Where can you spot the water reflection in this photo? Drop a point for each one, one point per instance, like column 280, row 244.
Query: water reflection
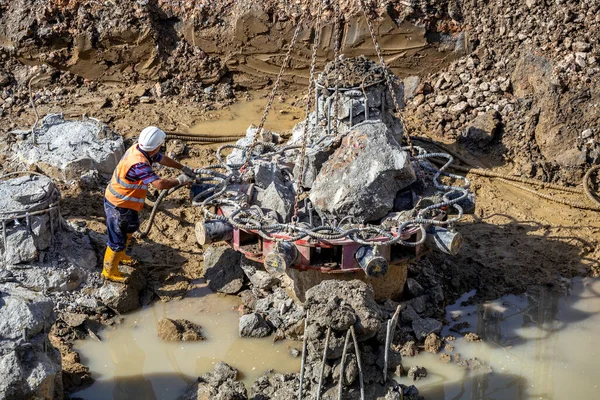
column 539, row 346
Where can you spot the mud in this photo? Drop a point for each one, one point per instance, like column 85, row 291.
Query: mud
column 197, row 69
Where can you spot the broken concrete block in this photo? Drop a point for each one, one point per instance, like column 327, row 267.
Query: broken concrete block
column 254, row 325
column 23, row 310
column 123, row 297
column 278, row 198
column 364, row 174
column 222, row 269
column 68, row 149
column 340, row 304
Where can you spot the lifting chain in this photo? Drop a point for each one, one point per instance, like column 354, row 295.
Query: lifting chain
column 336, row 69
column 388, row 78
column 311, row 87
column 286, row 61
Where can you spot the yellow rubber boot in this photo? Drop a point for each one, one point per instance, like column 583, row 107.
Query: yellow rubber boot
column 111, row 266
column 126, row 259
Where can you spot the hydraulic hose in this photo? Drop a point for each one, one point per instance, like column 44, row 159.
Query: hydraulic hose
column 164, row 193
column 190, row 138
column 509, row 179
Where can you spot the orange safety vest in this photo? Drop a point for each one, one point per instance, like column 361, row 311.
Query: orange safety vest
column 122, row 192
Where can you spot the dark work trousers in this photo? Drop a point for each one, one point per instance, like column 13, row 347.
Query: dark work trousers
column 119, row 222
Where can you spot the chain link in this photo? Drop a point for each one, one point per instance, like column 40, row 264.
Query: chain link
column 336, row 70
column 388, row 79
column 311, row 88
column 288, row 55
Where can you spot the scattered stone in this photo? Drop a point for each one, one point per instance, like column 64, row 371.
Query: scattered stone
column 254, row 325
column 433, row 344
column 411, row 84
column 472, row 337
column 222, row 269
column 73, row 319
column 458, row 328
column 482, row 130
column 445, row 358
column 294, row 352
column 220, row 384
column 581, row 47
column 448, row 347
column 441, row 100
column 415, row 373
column 409, row 349
column 179, row 330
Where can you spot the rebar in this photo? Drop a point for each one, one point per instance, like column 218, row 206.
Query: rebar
column 304, row 343
column 361, row 379
column 323, row 363
column 343, row 365
column 390, row 331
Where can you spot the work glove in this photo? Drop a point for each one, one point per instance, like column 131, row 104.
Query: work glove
column 188, row 171
column 183, row 179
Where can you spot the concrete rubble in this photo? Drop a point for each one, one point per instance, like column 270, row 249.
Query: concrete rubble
column 29, row 365
column 362, row 176
column 222, row 269
column 67, row 150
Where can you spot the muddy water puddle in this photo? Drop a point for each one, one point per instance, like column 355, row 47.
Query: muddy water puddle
column 131, row 362
column 538, row 346
column 235, row 120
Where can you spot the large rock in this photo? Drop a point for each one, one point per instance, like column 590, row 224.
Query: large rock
column 123, row 297
column 31, row 371
column 72, row 148
column 254, row 325
column 23, row 311
column 180, row 330
column 222, row 269
column 30, row 368
column 341, row 304
column 27, row 236
column 364, row 174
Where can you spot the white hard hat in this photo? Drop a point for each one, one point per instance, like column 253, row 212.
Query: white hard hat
column 151, row 138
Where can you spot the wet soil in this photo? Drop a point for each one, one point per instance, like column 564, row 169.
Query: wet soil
column 515, row 240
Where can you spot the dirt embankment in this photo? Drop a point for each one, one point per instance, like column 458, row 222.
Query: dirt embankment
column 534, row 62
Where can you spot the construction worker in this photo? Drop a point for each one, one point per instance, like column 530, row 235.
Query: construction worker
column 125, row 194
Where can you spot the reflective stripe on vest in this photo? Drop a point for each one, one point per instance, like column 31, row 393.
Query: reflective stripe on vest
column 128, row 185
column 122, row 192
column 125, row 198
